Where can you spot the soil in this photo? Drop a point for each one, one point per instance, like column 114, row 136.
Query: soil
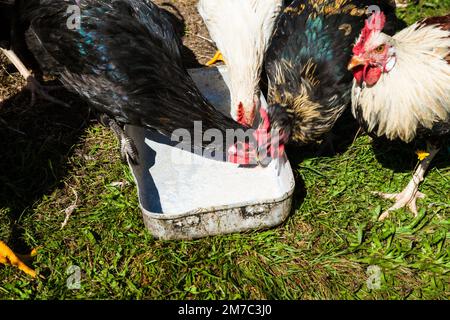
column 195, row 34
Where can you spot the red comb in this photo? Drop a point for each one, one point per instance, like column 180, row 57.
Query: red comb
column 375, row 23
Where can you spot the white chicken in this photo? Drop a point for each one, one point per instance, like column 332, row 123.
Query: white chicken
column 242, row 30
column 401, row 91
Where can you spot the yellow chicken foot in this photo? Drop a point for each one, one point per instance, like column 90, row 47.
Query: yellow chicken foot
column 409, row 196
column 217, row 57
column 7, row 256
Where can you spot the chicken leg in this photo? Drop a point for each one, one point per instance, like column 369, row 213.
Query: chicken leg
column 32, row 84
column 217, row 57
column 410, row 194
column 127, row 147
column 7, row 256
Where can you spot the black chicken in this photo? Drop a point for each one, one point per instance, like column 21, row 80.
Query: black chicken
column 125, row 60
column 306, row 64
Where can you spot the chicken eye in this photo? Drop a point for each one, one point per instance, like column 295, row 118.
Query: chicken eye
column 380, row 49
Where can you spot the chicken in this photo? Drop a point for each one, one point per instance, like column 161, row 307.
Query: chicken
column 402, row 90
column 241, row 30
column 125, row 60
column 306, row 64
column 10, row 42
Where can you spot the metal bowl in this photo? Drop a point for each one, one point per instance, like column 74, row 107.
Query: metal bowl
column 185, row 196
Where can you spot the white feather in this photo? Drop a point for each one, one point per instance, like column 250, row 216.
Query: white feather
column 241, row 30
column 417, row 89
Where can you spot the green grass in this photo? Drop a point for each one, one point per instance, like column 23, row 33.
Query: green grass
column 424, row 8
column 323, row 251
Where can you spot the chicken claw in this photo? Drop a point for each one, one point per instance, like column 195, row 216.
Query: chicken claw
column 7, row 256
column 409, row 196
column 37, row 89
column 128, row 149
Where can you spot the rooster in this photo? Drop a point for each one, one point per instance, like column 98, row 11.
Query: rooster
column 241, row 30
column 401, row 90
column 306, row 64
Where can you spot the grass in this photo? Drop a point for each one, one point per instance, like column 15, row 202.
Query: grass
column 424, row 8
column 329, row 248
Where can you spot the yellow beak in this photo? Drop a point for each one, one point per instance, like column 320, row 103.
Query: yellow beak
column 354, row 62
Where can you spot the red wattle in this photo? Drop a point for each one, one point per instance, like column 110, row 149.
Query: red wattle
column 372, row 75
column 358, row 74
column 367, row 73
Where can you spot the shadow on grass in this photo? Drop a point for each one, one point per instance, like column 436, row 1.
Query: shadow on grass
column 340, row 139
column 401, row 157
column 35, row 144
